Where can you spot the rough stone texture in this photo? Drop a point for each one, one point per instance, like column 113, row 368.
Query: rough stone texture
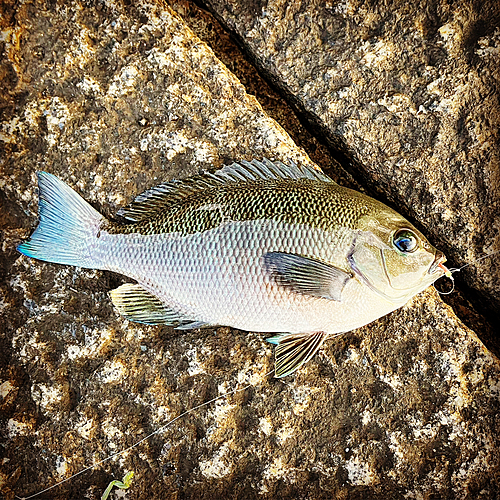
column 410, row 90
column 114, row 99
column 210, row 31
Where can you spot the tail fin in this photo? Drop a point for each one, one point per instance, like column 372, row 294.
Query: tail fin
column 67, row 225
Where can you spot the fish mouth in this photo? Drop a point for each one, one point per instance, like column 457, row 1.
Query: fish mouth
column 437, row 264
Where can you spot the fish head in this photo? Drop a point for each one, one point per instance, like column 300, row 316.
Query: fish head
column 393, row 258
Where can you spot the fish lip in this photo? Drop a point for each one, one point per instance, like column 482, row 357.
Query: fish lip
column 439, row 258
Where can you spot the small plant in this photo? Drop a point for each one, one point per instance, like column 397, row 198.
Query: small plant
column 127, row 480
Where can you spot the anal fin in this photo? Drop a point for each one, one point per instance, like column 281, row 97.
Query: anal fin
column 137, row 304
column 193, row 325
column 294, row 349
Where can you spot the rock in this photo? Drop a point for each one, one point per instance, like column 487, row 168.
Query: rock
column 412, row 93
column 114, row 99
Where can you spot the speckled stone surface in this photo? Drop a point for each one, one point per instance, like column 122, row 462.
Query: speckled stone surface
column 411, row 91
column 114, row 99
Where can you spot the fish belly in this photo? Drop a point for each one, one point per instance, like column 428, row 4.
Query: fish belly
column 217, row 276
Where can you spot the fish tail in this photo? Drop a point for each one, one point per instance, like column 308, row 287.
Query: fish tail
column 67, row 228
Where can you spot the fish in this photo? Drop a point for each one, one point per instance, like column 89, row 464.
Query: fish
column 259, row 246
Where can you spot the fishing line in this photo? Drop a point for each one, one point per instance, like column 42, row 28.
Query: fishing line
column 449, row 272
column 157, row 431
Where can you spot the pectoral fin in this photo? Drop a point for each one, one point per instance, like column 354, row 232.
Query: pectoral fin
column 141, row 306
column 294, row 349
column 306, row 276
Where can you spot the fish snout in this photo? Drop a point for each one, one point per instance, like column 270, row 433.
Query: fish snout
column 439, row 259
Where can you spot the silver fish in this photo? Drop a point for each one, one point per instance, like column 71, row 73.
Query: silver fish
column 258, row 246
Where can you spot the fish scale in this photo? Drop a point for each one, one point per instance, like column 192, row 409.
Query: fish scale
column 286, row 199
column 258, row 246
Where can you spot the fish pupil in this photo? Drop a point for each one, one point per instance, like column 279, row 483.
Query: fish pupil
column 405, row 241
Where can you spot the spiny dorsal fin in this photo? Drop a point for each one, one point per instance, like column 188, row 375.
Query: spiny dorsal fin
column 267, row 169
column 168, row 193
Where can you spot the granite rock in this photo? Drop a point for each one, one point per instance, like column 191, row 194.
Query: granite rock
column 411, row 93
column 114, row 98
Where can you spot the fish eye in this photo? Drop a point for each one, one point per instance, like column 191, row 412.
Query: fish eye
column 405, row 241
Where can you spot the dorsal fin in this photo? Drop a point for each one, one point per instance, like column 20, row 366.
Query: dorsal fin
column 168, row 193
